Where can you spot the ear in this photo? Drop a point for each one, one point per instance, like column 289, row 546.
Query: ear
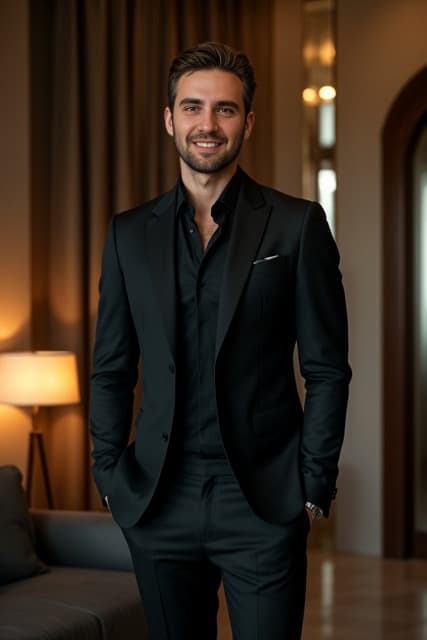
column 249, row 124
column 168, row 121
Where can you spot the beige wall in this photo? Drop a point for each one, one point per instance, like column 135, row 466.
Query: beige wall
column 14, row 211
column 381, row 44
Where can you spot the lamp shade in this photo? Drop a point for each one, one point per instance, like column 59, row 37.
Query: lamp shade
column 38, row 378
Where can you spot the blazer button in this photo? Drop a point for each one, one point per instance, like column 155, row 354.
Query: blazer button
column 172, row 368
column 165, row 436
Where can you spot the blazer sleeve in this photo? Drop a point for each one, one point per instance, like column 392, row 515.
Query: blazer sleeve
column 115, row 368
column 322, row 337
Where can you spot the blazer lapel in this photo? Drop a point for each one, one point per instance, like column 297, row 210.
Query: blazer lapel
column 160, row 248
column 251, row 216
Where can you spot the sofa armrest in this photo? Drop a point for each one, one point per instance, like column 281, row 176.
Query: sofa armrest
column 87, row 539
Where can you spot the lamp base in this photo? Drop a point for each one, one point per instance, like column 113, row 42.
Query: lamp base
column 36, row 442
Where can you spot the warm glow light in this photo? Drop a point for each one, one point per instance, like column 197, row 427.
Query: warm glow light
column 327, row 53
column 12, row 321
column 327, row 92
column 38, row 378
column 310, row 52
column 309, row 95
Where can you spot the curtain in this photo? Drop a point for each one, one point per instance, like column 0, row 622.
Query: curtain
column 99, row 71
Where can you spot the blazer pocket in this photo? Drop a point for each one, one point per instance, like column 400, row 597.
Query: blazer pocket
column 269, row 266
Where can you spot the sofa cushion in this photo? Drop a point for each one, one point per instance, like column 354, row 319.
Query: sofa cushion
column 18, row 558
column 71, row 603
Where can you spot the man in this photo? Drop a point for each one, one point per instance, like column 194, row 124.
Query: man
column 211, row 285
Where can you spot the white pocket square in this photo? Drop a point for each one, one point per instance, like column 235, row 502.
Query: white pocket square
column 266, row 259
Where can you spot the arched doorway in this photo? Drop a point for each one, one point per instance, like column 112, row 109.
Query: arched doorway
column 402, row 133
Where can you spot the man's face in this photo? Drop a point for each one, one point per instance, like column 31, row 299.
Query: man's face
column 208, row 123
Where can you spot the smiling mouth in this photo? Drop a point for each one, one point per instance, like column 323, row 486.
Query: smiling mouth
column 207, row 145
column 205, row 142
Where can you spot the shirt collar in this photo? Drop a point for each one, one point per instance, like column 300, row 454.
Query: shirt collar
column 222, row 208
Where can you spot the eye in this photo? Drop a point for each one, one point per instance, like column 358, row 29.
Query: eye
column 191, row 108
column 226, row 111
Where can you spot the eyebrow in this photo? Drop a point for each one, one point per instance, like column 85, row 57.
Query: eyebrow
column 220, row 103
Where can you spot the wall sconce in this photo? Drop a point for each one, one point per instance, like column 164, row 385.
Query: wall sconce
column 312, row 96
column 38, row 379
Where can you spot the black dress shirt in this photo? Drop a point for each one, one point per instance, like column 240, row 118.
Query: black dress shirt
column 199, row 276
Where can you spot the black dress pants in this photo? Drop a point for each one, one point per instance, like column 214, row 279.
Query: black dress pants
column 201, row 530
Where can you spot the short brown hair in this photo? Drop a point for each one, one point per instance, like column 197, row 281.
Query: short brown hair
column 213, row 55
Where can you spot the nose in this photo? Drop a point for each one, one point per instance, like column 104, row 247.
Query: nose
column 208, row 121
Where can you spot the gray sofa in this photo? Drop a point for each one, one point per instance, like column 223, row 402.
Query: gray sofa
column 82, row 587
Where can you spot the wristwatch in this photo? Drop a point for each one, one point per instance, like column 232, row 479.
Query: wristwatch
column 316, row 511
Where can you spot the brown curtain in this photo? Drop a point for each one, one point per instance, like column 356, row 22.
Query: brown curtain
column 98, row 90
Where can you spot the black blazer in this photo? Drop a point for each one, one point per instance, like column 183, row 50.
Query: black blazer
column 280, row 455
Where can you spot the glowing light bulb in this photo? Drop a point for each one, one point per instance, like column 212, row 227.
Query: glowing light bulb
column 327, row 53
column 327, row 92
column 309, row 95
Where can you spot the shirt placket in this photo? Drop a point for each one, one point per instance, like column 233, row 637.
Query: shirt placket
column 201, row 263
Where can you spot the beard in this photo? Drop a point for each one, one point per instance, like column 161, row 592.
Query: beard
column 209, row 164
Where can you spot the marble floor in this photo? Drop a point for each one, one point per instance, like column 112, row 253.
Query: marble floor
column 359, row 597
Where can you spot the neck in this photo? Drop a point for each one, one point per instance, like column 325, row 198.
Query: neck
column 204, row 189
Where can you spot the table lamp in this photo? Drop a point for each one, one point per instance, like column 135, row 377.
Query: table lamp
column 38, row 379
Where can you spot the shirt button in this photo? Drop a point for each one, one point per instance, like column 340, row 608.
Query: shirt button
column 191, row 230
column 165, row 436
column 172, row 368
